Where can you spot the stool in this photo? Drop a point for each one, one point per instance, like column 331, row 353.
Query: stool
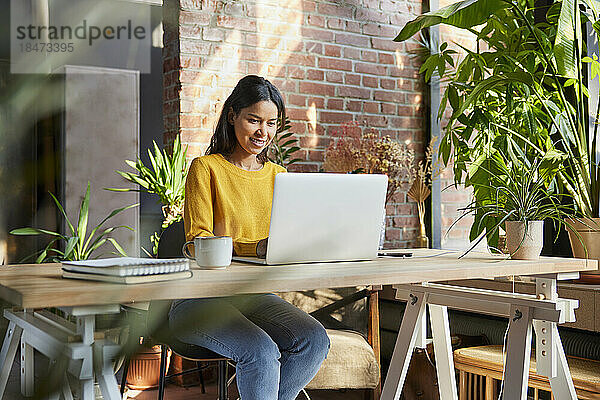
column 480, row 370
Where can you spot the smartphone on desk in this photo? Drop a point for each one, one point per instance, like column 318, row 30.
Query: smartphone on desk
column 394, row 254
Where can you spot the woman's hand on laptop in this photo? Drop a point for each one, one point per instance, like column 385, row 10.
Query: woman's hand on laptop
column 261, row 248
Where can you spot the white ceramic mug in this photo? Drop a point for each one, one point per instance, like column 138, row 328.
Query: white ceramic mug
column 212, row 252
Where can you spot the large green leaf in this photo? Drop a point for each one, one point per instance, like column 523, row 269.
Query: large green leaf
column 462, row 14
column 566, row 40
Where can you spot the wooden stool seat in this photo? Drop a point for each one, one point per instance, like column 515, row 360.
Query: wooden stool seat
column 481, row 367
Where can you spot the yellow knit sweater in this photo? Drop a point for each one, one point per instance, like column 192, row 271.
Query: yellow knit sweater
column 222, row 199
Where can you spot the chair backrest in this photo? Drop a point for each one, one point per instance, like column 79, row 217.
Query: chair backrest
column 169, row 246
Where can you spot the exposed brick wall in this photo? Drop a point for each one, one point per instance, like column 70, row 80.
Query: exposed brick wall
column 333, row 61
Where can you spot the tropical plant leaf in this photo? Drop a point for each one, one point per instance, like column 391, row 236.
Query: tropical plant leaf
column 462, row 14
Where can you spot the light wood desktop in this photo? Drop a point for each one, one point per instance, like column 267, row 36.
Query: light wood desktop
column 39, row 286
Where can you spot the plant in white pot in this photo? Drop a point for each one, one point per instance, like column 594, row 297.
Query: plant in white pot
column 517, row 194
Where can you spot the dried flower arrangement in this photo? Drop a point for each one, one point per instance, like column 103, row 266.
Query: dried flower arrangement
column 420, row 190
column 372, row 154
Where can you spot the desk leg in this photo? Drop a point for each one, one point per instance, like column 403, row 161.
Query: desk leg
column 27, row 374
column 104, row 372
column 442, row 346
column 413, row 315
column 85, row 327
column 561, row 384
column 8, row 352
column 518, row 353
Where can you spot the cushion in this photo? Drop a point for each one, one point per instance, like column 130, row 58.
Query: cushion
column 350, row 364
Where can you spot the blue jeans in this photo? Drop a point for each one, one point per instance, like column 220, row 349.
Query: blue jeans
column 277, row 347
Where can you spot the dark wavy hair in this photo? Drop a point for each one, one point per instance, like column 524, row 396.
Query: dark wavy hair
column 250, row 90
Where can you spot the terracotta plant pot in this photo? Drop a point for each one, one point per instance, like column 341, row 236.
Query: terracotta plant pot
column 144, row 368
column 589, row 234
column 528, row 248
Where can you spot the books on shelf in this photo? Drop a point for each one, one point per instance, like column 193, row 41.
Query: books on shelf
column 128, row 266
column 127, row 279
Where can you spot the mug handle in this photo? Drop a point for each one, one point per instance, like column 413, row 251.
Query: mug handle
column 185, row 251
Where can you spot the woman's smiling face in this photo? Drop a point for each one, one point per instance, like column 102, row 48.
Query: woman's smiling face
column 255, row 126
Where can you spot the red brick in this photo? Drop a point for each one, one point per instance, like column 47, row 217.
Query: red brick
column 335, row 10
column 393, row 234
column 349, row 91
column 298, row 114
column 334, row 117
column 196, row 18
column 317, row 88
column 379, row 30
column 299, row 128
column 387, row 83
column 303, row 167
column 391, row 96
column 385, row 44
column 335, row 76
column 317, row 102
column 369, row 81
column 253, row 68
column 354, row 105
column 386, row 58
column 276, row 70
column 335, row 23
column 376, row 120
column 406, row 122
column 316, row 20
column 352, row 39
column 405, row 84
column 335, row 104
column 400, row 19
column 313, row 141
column 388, row 108
column 259, row 40
column 293, row 46
column 171, row 78
column 309, row 6
column 404, row 72
column 333, row 50
column 234, row 9
column 297, row 58
column 367, row 68
column 371, row 107
column 317, row 34
column 352, row 79
column 296, row 72
column 335, row 63
column 188, row 91
column 316, row 155
column 313, row 47
column 315, row 75
column 191, row 31
column 194, row 47
column 285, row 85
column 351, row 53
column 296, row 100
column 239, row 23
column 213, row 34
column 370, row 56
column 192, row 4
column 191, row 121
column 353, row 26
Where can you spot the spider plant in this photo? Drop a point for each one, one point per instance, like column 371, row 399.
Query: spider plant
column 78, row 244
column 514, row 189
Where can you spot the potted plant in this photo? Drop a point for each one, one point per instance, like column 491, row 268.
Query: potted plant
column 521, row 91
column 517, row 195
column 78, row 243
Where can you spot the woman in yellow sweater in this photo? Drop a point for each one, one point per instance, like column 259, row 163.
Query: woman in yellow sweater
column 277, row 347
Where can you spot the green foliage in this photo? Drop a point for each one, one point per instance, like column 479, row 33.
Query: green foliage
column 520, row 94
column 78, row 245
column 283, row 145
column 513, row 189
column 165, row 177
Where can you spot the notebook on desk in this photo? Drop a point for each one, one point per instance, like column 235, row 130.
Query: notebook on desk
column 319, row 217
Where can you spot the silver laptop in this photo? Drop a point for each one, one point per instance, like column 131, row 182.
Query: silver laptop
column 324, row 217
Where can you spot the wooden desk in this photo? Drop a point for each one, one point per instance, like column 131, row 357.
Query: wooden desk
column 40, row 286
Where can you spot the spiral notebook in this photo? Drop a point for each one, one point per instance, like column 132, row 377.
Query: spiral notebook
column 128, row 266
